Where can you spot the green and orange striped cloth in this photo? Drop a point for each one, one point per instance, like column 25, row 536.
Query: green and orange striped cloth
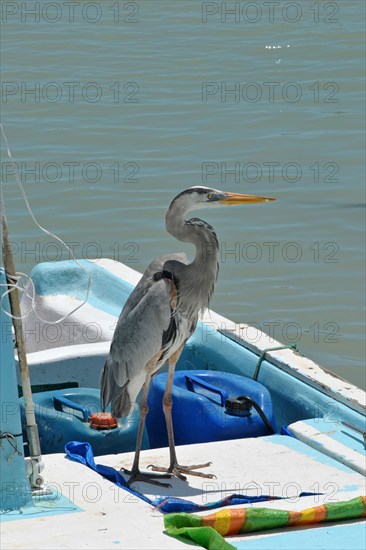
column 208, row 531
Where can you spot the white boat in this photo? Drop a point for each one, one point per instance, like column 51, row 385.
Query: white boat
column 319, row 462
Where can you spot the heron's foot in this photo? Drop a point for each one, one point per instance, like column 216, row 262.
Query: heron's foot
column 178, row 470
column 149, row 477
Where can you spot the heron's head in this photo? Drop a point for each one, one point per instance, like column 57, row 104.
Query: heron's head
column 199, row 197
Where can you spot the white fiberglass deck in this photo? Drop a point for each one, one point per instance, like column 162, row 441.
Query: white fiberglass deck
column 113, row 518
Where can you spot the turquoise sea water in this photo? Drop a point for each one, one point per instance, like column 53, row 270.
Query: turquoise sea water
column 112, row 108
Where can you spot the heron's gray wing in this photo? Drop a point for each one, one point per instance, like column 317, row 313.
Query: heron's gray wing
column 138, row 337
column 147, row 280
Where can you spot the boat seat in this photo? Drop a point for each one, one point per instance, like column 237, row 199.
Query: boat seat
column 335, row 439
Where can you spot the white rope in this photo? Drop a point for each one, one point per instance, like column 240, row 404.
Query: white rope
column 49, row 233
column 21, row 289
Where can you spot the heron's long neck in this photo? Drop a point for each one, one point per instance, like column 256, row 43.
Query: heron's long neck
column 199, row 233
column 204, row 268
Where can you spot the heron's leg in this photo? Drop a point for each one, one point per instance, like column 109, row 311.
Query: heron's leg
column 175, row 468
column 135, row 474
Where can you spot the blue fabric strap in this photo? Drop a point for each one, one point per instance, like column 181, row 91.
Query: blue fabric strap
column 83, row 453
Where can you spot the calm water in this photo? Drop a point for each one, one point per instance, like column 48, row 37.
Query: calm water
column 112, row 108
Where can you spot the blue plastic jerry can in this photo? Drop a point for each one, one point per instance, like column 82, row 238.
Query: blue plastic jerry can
column 209, row 406
column 64, row 416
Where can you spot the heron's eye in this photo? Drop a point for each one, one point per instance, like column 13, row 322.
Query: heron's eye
column 210, row 196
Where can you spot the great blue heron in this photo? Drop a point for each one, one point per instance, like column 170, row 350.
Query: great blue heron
column 160, row 315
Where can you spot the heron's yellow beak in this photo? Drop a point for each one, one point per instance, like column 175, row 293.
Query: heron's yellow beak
column 237, row 198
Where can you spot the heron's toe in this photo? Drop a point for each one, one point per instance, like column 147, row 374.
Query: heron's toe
column 147, row 477
column 178, row 470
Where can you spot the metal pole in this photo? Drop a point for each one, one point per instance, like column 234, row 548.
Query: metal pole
column 32, row 429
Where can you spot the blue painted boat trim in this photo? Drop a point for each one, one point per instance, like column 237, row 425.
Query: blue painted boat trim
column 302, row 448
column 14, row 488
column 338, row 432
column 44, row 506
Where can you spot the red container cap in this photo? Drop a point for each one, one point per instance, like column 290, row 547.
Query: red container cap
column 103, row 421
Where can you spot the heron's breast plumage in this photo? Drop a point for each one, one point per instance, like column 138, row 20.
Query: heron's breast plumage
column 178, row 333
